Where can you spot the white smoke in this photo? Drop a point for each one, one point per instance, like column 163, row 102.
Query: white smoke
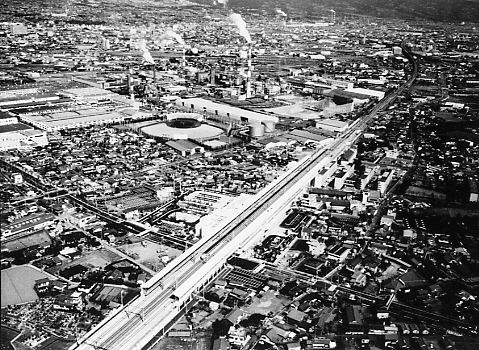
column 146, row 53
column 223, row 2
column 170, row 34
column 281, row 12
column 239, row 22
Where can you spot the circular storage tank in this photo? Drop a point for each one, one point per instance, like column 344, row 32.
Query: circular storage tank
column 269, row 126
column 256, row 130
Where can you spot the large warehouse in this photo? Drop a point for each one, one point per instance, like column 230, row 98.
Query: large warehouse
column 72, row 119
column 332, row 125
column 228, row 113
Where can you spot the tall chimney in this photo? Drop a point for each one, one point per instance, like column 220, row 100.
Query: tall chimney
column 248, row 74
column 212, row 75
column 129, row 81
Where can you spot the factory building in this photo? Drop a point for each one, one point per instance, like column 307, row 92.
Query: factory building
column 7, row 119
column 229, row 114
column 24, row 138
column 72, row 119
column 10, row 100
column 15, row 135
column 89, row 95
column 368, row 92
column 332, row 125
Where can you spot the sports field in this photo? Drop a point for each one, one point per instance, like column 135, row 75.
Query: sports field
column 18, row 282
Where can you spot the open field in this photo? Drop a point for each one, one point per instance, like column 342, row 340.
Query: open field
column 18, row 282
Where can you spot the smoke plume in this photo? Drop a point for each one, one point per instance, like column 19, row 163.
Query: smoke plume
column 146, row 53
column 239, row 22
column 170, row 34
column 281, row 13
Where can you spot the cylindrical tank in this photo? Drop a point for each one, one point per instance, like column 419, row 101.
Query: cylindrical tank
column 256, row 130
column 268, row 126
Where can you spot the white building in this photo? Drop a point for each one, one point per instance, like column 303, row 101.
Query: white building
column 384, row 181
column 22, row 139
column 341, row 175
column 473, row 192
column 332, row 125
column 73, row 119
column 228, row 113
column 369, row 92
column 369, row 173
column 17, row 97
column 238, row 336
column 7, row 119
column 88, row 94
column 338, row 253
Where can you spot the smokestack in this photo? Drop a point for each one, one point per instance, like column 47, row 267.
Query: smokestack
column 248, row 74
column 212, row 76
column 129, row 81
column 154, row 72
column 332, row 16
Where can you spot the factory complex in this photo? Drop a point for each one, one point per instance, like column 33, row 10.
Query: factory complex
column 222, row 175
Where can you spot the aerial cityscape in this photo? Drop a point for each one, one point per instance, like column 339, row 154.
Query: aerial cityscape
column 239, row 175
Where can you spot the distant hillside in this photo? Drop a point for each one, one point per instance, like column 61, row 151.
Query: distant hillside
column 439, row 10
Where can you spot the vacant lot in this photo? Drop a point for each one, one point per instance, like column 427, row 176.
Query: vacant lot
column 18, row 282
column 95, row 258
column 150, row 254
column 269, row 302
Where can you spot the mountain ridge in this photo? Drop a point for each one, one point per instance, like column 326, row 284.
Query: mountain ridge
column 436, row 10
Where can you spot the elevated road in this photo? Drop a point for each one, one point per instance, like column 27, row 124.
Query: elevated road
column 170, row 290
column 166, row 294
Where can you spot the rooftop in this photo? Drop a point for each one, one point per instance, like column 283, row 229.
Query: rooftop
column 226, row 109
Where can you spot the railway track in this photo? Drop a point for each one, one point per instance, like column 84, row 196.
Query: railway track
column 185, row 267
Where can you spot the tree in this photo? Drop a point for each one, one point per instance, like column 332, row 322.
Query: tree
column 221, row 328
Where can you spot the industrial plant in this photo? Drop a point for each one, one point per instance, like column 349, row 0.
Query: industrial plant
column 231, row 175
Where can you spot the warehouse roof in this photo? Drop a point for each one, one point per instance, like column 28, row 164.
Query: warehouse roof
column 182, row 145
column 87, row 92
column 307, row 135
column 234, row 112
column 332, row 122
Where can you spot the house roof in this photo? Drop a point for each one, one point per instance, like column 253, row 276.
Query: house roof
column 296, row 315
column 182, row 145
column 412, row 278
